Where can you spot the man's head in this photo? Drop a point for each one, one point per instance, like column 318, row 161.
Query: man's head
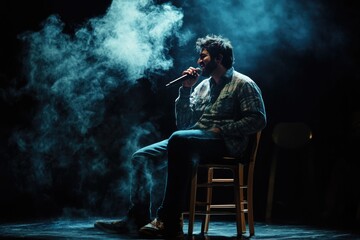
column 219, row 49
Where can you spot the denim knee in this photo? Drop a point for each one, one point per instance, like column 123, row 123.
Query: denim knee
column 177, row 138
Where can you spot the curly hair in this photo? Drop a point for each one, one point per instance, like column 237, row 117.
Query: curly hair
column 217, row 45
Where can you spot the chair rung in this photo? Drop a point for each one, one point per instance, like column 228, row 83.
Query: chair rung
column 220, row 184
column 215, row 185
column 222, row 206
column 215, row 212
column 219, row 205
column 223, row 180
column 219, row 166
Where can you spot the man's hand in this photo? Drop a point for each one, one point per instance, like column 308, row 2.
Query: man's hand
column 191, row 81
column 215, row 130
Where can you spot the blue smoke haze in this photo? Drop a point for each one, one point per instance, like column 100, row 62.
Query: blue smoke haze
column 89, row 115
column 257, row 28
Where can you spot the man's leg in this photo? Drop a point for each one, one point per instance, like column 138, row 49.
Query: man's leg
column 143, row 163
column 185, row 149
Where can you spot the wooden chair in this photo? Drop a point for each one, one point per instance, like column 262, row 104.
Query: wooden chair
column 285, row 135
column 243, row 191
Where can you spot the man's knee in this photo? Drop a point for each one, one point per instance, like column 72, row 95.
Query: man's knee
column 177, row 138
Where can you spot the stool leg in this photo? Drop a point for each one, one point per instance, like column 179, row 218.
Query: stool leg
column 240, row 173
column 250, row 185
column 192, row 202
column 239, row 196
column 205, row 225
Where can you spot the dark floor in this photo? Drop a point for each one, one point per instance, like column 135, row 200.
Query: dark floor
column 83, row 229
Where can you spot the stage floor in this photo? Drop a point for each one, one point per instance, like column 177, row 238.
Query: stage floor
column 83, row 229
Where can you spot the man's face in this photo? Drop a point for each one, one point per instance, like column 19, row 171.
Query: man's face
column 207, row 64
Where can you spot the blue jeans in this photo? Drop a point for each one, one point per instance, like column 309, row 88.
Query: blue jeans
column 183, row 151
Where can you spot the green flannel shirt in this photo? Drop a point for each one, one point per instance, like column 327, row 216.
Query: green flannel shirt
column 235, row 106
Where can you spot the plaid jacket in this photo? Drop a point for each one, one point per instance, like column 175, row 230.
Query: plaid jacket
column 235, row 106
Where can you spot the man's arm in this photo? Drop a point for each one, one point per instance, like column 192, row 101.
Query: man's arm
column 252, row 110
column 183, row 111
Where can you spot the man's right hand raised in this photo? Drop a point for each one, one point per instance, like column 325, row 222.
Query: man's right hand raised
column 188, row 83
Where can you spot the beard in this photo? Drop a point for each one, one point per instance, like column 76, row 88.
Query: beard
column 209, row 68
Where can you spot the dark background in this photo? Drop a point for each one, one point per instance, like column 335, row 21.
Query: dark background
column 307, row 68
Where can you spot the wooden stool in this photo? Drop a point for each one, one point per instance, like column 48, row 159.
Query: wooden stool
column 242, row 185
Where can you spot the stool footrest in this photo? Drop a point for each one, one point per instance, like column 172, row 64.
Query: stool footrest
column 219, row 212
column 215, row 213
column 214, row 206
column 215, row 184
column 223, row 180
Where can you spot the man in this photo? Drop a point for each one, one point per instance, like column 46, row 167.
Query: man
column 215, row 118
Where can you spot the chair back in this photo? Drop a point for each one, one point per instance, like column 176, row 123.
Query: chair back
column 249, row 155
column 286, row 136
column 255, row 145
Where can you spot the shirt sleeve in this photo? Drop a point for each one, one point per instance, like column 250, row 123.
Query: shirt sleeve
column 183, row 111
column 252, row 112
